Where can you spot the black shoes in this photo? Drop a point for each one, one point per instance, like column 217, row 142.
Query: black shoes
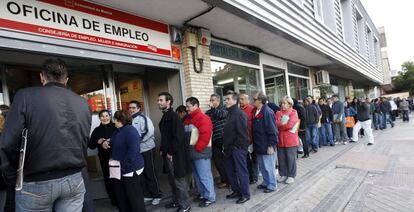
column 172, row 205
column 242, row 200
column 199, row 198
column 305, row 156
column 233, row 195
column 352, row 141
column 314, row 150
column 252, row 182
column 369, row 144
column 332, row 144
column 261, row 187
column 187, row 209
column 205, row 203
column 268, row 190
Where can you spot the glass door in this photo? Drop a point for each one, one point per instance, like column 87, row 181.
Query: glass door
column 129, row 87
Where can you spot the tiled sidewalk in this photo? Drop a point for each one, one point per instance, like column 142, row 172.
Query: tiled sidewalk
column 331, row 179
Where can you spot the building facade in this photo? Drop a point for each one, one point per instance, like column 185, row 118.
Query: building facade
column 118, row 51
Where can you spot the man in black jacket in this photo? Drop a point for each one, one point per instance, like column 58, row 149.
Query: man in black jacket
column 235, row 143
column 58, row 123
column 175, row 153
column 326, row 123
column 302, row 127
column 364, row 122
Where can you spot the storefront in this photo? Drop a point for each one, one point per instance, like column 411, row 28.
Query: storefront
column 235, row 69
column 113, row 57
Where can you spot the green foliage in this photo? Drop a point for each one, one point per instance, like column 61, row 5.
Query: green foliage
column 405, row 80
column 326, row 90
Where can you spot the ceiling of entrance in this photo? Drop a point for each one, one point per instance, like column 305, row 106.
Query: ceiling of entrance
column 218, row 21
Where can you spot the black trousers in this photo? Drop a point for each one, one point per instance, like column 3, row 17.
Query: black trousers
column 302, row 136
column 252, row 166
column 218, row 158
column 108, row 182
column 287, row 161
column 128, row 193
column 149, row 180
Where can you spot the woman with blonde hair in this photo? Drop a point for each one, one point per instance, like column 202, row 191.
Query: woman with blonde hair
column 287, row 122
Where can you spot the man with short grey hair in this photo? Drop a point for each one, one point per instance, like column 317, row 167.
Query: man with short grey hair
column 218, row 116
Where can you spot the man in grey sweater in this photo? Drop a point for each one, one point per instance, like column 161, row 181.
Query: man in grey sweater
column 149, row 181
column 339, row 119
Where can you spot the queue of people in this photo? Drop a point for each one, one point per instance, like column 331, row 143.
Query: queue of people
column 243, row 140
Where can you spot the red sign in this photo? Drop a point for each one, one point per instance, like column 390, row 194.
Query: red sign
column 82, row 21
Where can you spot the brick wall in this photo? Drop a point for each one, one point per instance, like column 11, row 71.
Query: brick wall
column 199, row 85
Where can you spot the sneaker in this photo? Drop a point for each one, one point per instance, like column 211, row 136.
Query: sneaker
column 282, row 179
column 290, row 180
column 148, row 199
column 156, row 201
column 205, row 203
column 345, row 143
column 199, row 198
column 172, row 205
column 187, row 209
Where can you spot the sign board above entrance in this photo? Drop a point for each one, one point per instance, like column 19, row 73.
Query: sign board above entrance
column 82, row 21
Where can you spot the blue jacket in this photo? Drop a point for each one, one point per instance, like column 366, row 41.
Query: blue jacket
column 125, row 148
column 264, row 130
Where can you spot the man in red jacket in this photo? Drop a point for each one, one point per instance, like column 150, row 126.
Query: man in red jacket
column 252, row 165
column 199, row 129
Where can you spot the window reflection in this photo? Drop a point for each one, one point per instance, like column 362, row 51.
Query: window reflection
column 237, row 78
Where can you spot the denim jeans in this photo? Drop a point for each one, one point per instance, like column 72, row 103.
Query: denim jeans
column 267, row 164
column 204, row 178
column 62, row 194
column 326, row 133
column 377, row 121
column 386, row 118
column 405, row 115
column 312, row 136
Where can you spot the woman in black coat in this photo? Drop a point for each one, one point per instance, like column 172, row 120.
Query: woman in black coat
column 100, row 134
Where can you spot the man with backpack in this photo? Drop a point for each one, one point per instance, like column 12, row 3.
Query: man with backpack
column 145, row 128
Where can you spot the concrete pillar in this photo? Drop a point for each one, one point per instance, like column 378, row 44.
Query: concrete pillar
column 349, row 89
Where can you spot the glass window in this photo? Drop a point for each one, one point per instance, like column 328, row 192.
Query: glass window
column 129, row 87
column 299, row 87
column 298, row 70
column 275, row 83
column 237, row 78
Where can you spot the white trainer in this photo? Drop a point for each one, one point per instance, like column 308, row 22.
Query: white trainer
column 290, row 180
column 282, row 179
column 156, row 201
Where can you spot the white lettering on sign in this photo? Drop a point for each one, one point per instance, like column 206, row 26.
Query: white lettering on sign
column 83, row 21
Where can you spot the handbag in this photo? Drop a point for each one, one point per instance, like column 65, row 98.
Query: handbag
column 22, row 156
column 114, row 169
column 350, row 122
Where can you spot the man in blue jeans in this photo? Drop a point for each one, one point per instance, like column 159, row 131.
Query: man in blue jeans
column 385, row 107
column 58, row 123
column 265, row 138
column 326, row 121
column 199, row 129
column 312, row 119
